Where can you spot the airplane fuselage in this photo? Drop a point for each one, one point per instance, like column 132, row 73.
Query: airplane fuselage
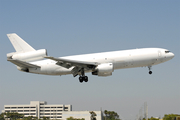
column 120, row 60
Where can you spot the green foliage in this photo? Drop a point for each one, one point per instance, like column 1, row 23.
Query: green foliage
column 152, row 118
column 170, row 116
column 45, row 118
column 93, row 115
column 16, row 116
column 111, row 115
column 13, row 115
column 30, row 118
column 71, row 118
column 2, row 116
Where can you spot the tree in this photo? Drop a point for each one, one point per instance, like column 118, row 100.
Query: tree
column 93, row 115
column 152, row 118
column 111, row 115
column 170, row 116
column 29, row 118
column 13, row 115
column 71, row 118
column 2, row 116
column 105, row 112
column 45, row 118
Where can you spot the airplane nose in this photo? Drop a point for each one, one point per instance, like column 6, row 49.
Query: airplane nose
column 170, row 55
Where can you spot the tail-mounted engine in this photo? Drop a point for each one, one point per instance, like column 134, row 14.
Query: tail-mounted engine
column 28, row 56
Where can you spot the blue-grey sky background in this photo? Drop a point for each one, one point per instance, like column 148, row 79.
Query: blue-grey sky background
column 68, row 27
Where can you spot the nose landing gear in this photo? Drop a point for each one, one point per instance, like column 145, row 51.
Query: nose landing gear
column 150, row 67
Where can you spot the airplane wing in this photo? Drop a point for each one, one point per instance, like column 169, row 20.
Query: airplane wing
column 78, row 65
column 23, row 64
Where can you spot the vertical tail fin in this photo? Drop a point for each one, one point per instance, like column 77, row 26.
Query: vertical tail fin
column 19, row 44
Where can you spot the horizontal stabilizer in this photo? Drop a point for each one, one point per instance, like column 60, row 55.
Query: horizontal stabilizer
column 23, row 64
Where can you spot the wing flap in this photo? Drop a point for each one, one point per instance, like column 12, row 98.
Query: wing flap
column 23, row 64
column 75, row 71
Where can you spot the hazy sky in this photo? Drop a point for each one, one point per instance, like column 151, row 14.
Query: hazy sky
column 70, row 27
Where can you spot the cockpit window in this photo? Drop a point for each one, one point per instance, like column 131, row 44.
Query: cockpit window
column 167, row 51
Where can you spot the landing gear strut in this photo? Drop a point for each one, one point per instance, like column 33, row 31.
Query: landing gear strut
column 82, row 77
column 150, row 72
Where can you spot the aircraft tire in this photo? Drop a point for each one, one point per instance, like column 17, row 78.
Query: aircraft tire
column 85, row 78
column 80, row 79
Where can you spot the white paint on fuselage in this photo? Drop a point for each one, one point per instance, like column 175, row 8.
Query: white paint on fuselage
column 120, row 59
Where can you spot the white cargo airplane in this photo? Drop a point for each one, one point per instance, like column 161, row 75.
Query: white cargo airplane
column 27, row 59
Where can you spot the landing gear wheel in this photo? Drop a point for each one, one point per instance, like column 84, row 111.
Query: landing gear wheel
column 82, row 76
column 85, row 78
column 150, row 72
column 80, row 79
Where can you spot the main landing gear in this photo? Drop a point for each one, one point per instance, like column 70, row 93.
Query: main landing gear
column 82, row 77
column 150, row 72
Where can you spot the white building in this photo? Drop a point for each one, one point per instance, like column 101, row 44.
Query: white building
column 39, row 109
